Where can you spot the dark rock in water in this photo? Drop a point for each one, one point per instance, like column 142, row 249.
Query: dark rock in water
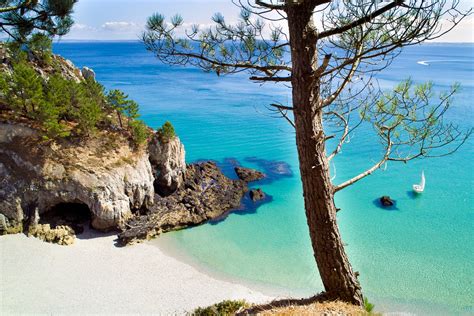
column 257, row 195
column 248, row 175
column 206, row 194
column 386, row 201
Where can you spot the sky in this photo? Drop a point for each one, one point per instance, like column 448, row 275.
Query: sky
column 125, row 19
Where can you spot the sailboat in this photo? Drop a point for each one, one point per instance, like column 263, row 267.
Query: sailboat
column 419, row 188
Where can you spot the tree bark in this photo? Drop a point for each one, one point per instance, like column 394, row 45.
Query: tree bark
column 339, row 280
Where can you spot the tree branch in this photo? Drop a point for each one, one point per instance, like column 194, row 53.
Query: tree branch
column 343, row 137
column 361, row 21
column 270, row 6
column 274, row 79
column 367, row 172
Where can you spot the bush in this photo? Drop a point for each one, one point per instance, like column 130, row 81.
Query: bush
column 57, row 102
column 40, row 45
column 140, row 131
column 49, row 117
column 119, row 102
column 223, row 308
column 166, row 132
column 369, row 307
column 25, row 91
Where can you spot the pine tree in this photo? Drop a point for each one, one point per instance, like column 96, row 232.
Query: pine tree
column 26, row 90
column 20, row 18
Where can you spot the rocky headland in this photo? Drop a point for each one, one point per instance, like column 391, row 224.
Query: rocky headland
column 51, row 188
column 141, row 192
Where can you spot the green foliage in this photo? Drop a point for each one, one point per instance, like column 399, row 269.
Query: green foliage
column 48, row 115
column 120, row 103
column 369, row 307
column 223, row 308
column 64, row 107
column 140, row 131
column 25, row 93
column 89, row 114
column 19, row 19
column 40, row 45
column 17, row 54
column 166, row 132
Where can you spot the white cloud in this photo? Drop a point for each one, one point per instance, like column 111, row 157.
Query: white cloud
column 119, row 26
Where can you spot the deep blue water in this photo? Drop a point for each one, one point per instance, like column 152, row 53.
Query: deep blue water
column 418, row 257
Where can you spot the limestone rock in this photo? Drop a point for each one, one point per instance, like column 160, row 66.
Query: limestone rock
column 104, row 173
column 248, row 175
column 168, row 162
column 88, row 73
column 62, row 235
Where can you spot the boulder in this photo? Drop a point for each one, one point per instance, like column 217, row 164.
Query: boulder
column 248, row 175
column 257, row 194
column 61, row 235
column 168, row 162
column 386, row 201
column 88, row 73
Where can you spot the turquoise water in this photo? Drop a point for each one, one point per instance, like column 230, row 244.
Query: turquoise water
column 416, row 258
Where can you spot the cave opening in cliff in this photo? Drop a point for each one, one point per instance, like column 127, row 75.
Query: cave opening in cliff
column 76, row 215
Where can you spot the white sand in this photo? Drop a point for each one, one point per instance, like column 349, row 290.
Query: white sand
column 95, row 277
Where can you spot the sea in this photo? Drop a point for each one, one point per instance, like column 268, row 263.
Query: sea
column 415, row 258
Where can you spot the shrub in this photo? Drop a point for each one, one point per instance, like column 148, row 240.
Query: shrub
column 119, row 102
column 49, row 116
column 166, row 132
column 88, row 115
column 223, row 308
column 40, row 45
column 140, row 131
column 369, row 307
column 25, row 93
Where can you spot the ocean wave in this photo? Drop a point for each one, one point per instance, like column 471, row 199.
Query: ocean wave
column 428, row 62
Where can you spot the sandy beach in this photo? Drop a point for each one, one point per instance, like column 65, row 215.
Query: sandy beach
column 95, row 277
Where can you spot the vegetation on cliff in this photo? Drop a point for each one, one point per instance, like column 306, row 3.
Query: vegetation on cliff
column 33, row 87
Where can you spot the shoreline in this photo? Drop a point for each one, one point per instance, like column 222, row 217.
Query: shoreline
column 151, row 277
column 95, row 276
column 384, row 305
column 167, row 246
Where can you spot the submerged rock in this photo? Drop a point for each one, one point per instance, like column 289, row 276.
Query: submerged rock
column 248, row 175
column 386, row 201
column 206, row 194
column 257, row 194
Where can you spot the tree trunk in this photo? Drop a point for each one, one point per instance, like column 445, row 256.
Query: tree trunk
column 339, row 280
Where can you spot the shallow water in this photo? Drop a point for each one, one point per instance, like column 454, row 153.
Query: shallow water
column 416, row 258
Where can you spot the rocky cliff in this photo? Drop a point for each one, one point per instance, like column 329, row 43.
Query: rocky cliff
column 140, row 190
column 103, row 172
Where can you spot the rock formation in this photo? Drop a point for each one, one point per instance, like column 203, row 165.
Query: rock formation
column 206, row 194
column 386, row 201
column 88, row 73
column 104, row 173
column 248, row 175
column 169, row 165
column 140, row 191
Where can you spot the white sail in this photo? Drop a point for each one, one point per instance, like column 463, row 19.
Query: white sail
column 419, row 188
